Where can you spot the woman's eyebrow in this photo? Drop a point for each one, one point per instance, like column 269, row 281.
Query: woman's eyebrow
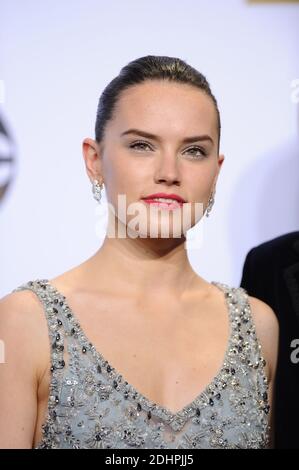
column 194, row 138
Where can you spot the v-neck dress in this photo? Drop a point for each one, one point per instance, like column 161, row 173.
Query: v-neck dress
column 91, row 405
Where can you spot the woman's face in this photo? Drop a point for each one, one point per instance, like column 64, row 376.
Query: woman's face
column 135, row 165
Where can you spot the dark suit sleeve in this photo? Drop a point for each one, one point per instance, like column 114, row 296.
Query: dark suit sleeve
column 264, row 277
column 247, row 274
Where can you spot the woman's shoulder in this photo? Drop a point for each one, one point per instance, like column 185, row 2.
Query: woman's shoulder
column 263, row 315
column 20, row 302
column 22, row 323
column 267, row 330
column 265, row 323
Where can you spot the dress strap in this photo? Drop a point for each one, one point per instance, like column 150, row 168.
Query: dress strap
column 249, row 329
column 247, row 349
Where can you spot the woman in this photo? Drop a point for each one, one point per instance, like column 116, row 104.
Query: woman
column 144, row 352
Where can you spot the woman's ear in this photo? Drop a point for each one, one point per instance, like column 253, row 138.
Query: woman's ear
column 92, row 158
column 220, row 160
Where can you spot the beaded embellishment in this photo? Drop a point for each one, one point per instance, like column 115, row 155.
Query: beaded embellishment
column 91, row 405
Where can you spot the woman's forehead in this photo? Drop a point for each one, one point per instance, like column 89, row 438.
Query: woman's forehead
column 157, row 93
column 177, row 105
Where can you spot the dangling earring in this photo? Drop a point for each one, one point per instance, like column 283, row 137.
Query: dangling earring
column 210, row 204
column 97, row 190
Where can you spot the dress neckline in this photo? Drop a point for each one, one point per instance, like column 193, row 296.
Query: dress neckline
column 107, row 368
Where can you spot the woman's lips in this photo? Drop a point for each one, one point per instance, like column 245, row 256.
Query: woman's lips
column 164, row 205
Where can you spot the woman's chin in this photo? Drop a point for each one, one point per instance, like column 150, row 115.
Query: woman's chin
column 159, row 233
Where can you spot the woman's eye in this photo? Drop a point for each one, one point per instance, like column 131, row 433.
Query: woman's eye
column 194, row 155
column 139, row 145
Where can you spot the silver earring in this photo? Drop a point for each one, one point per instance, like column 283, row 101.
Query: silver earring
column 97, row 190
column 210, row 204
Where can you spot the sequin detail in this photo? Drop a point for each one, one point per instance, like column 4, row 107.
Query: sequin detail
column 91, row 405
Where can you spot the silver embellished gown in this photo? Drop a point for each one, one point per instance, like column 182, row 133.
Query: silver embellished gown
column 91, row 405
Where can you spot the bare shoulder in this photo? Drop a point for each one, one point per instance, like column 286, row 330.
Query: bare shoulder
column 22, row 322
column 21, row 305
column 267, row 330
column 24, row 334
column 21, row 308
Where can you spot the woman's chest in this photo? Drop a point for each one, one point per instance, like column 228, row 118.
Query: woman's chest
column 167, row 351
